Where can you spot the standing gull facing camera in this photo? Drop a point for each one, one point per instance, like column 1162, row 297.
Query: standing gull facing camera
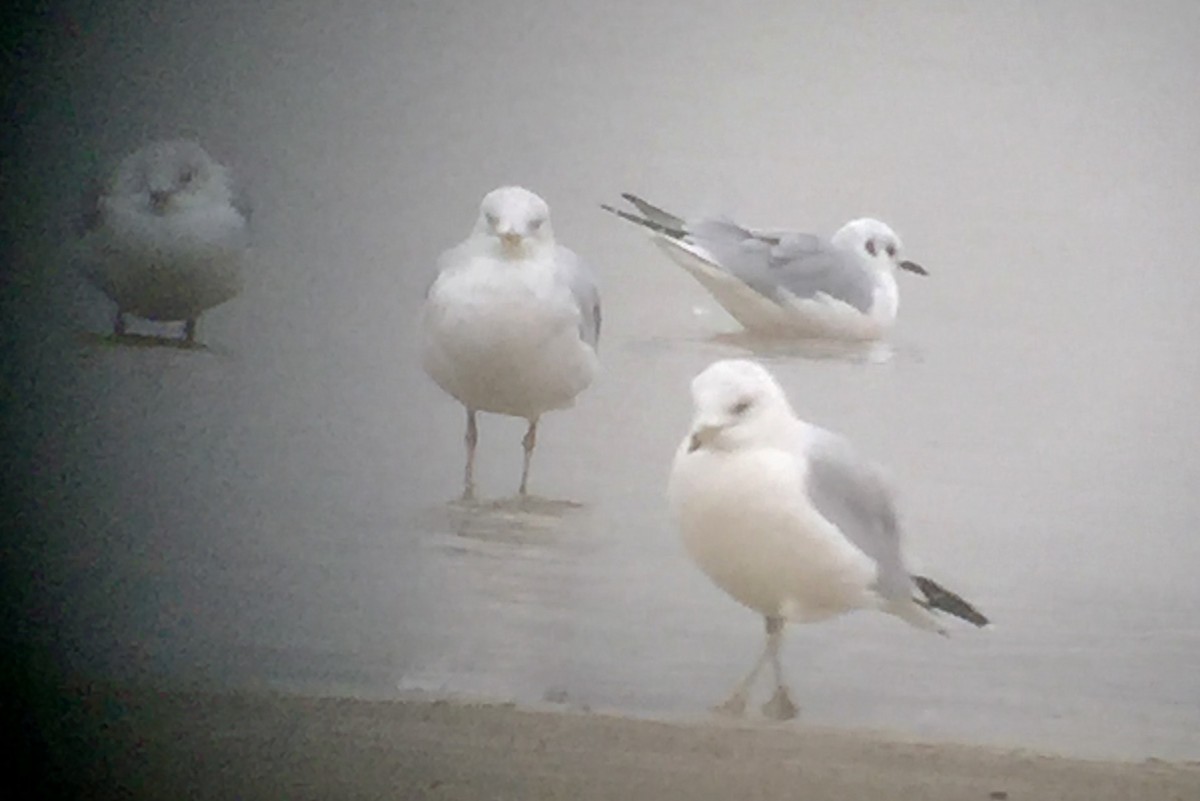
column 787, row 519
column 787, row 283
column 165, row 238
column 512, row 321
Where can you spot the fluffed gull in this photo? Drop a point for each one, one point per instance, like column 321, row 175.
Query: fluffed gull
column 787, row 283
column 787, row 519
column 165, row 237
column 512, row 321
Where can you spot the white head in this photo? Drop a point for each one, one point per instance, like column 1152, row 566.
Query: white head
column 515, row 220
column 737, row 402
column 171, row 176
column 877, row 243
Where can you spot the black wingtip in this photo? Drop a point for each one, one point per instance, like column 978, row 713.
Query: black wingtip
column 651, row 212
column 642, row 221
column 625, row 215
column 938, row 597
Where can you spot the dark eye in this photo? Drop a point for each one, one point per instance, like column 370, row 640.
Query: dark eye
column 891, row 250
column 492, row 219
column 871, row 246
column 740, row 408
column 186, row 176
column 535, row 224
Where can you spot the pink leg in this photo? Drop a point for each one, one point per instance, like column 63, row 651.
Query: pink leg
column 529, row 442
column 471, row 438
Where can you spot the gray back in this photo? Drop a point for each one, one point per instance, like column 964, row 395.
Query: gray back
column 850, row 493
column 800, row 264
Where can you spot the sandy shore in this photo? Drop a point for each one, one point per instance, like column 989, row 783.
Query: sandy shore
column 146, row 744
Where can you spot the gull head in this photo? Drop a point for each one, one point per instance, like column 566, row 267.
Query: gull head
column 171, row 176
column 737, row 403
column 877, row 243
column 515, row 221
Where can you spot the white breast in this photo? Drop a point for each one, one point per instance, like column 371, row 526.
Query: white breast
column 747, row 524
column 168, row 267
column 503, row 337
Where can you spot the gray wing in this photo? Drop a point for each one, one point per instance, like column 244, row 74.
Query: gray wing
column 582, row 283
column 240, row 199
column 850, row 493
column 774, row 265
column 82, row 255
column 89, row 208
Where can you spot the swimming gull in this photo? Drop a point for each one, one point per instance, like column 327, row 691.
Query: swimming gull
column 787, row 283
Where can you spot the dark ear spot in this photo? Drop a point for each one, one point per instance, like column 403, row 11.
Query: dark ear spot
column 871, row 246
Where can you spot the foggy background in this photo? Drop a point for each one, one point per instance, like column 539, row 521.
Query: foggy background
column 274, row 510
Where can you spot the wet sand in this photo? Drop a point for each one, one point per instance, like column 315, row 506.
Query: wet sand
column 145, row 744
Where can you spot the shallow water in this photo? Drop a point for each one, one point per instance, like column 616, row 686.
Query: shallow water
column 278, row 507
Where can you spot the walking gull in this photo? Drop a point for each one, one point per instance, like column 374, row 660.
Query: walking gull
column 512, row 321
column 787, row 283
column 164, row 239
column 788, row 520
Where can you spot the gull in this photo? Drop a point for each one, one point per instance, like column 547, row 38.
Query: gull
column 787, row 283
column 787, row 519
column 512, row 321
column 165, row 237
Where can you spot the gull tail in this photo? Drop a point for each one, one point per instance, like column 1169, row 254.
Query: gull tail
column 657, row 220
column 938, row 597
